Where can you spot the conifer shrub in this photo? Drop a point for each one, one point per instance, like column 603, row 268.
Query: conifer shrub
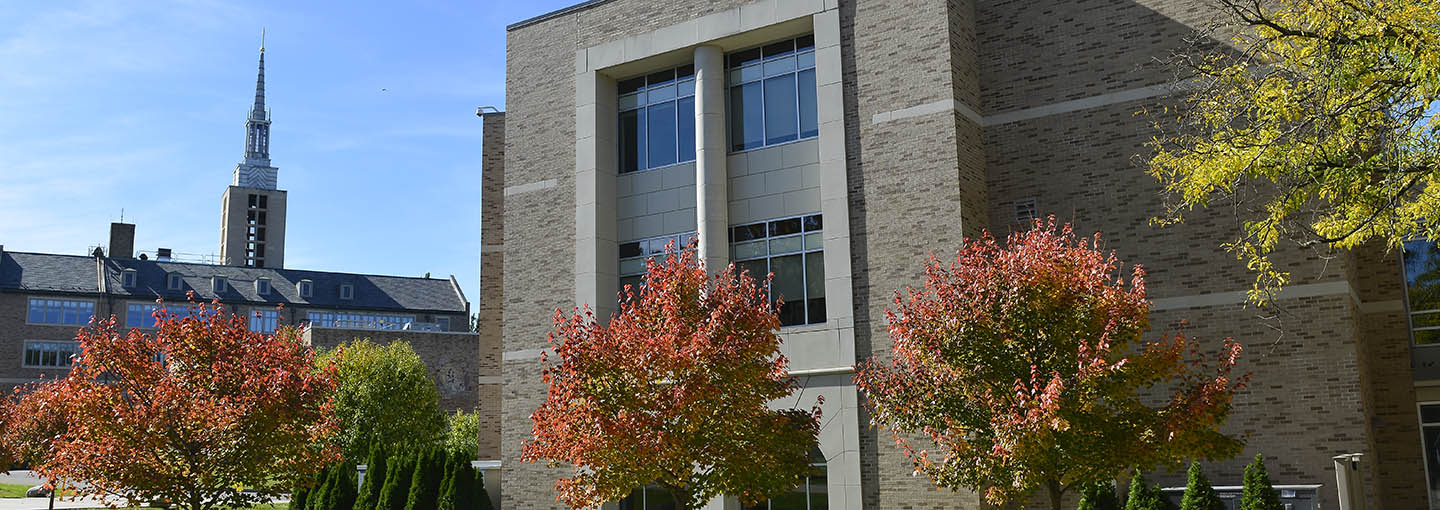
column 342, row 490
column 396, row 490
column 369, row 492
column 425, row 481
column 1257, row 493
column 1099, row 497
column 317, row 499
column 1144, row 496
column 1199, row 495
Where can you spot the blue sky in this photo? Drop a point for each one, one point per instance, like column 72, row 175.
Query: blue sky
column 141, row 105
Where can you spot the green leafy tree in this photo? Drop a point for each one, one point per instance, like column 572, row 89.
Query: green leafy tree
column 1100, row 496
column 400, row 470
column 639, row 400
column 385, row 397
column 462, row 434
column 1316, row 123
column 425, row 481
column 1199, row 495
column 1257, row 493
column 1144, row 496
column 1023, row 368
column 375, row 468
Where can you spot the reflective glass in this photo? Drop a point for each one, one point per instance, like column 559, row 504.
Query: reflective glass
column 785, row 227
column 1430, row 414
column 658, row 499
column 805, row 41
column 780, row 66
column 632, row 266
column 748, row 232
column 789, row 287
column 747, row 117
column 779, row 48
column 815, row 274
column 630, row 85
column 780, row 110
column 630, row 141
column 786, row 245
column 805, row 86
column 805, row 60
column 660, row 95
column 756, row 269
column 819, row 490
column 1422, row 284
column 750, row 250
column 741, row 58
column 661, row 128
column 685, row 129
column 628, row 102
column 660, row 78
column 1432, row 457
column 630, row 249
column 813, row 241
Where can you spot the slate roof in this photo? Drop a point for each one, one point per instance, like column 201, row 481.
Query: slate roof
column 21, row 271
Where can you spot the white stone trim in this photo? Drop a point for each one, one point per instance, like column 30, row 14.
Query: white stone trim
column 531, row 187
column 1024, row 114
column 525, row 354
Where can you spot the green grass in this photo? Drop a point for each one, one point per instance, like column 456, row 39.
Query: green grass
column 10, row 490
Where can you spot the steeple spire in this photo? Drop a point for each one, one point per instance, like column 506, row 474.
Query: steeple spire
column 255, row 171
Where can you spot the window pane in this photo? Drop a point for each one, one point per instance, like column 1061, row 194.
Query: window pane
column 662, row 94
column 785, row 245
column 1430, row 414
column 629, row 141
column 750, row 250
column 780, row 66
column 658, row 499
column 805, row 60
column 793, row 500
column 809, row 124
column 741, row 58
column 685, row 130
column 813, row 223
column 779, row 48
column 630, row 85
column 747, row 117
column 805, row 41
column 37, row 312
column 633, row 281
column 661, row 129
column 685, row 88
column 781, row 121
column 755, row 269
column 748, row 232
column 1422, row 275
column 32, row 356
column 815, row 274
column 630, row 249
column 628, row 102
column 1432, row 457
column 660, row 78
column 788, row 286
column 632, row 266
column 784, row 227
column 1427, row 336
column 684, row 71
column 48, row 357
column 813, row 241
column 819, row 491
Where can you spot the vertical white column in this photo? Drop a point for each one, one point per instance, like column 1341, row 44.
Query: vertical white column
column 712, row 198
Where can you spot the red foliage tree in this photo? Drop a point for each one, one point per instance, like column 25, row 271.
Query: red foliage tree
column 1024, row 367
column 191, row 414
column 673, row 391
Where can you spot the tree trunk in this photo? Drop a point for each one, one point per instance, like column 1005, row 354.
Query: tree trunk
column 1056, row 493
column 682, row 498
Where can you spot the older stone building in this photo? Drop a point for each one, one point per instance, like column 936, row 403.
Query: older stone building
column 838, row 143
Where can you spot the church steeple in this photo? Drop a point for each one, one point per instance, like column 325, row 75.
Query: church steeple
column 255, row 171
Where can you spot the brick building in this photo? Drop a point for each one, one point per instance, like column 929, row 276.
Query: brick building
column 838, row 143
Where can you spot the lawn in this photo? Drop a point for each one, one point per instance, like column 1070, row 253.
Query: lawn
column 10, row 490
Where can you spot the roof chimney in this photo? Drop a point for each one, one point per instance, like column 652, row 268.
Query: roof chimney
column 122, row 240
column 162, row 255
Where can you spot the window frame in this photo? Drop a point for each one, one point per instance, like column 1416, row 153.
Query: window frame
column 732, row 71
column 680, row 239
column 347, row 291
column 219, row 284
column 181, row 311
column 803, row 252
column 262, row 286
column 1424, row 453
column 265, row 316
column 129, row 278
column 358, row 316
column 25, row 350
column 642, row 132
column 174, row 281
column 93, row 305
column 305, row 288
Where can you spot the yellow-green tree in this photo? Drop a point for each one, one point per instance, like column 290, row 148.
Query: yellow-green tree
column 1313, row 120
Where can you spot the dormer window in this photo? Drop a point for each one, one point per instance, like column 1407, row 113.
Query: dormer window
column 217, row 284
column 174, row 281
column 262, row 286
column 347, row 291
column 127, row 278
column 305, row 288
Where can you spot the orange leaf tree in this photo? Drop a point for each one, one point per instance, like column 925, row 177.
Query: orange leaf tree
column 673, row 391
column 190, row 414
column 1024, row 367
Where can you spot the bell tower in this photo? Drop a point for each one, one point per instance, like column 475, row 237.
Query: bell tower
column 252, row 219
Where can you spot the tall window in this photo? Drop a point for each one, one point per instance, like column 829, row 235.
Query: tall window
column 1430, row 433
column 634, row 253
column 257, row 208
column 792, row 249
column 1422, row 285
column 657, row 119
column 142, row 315
column 814, row 494
column 358, row 320
column 264, row 321
column 42, row 354
column 60, row 311
column 772, row 94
